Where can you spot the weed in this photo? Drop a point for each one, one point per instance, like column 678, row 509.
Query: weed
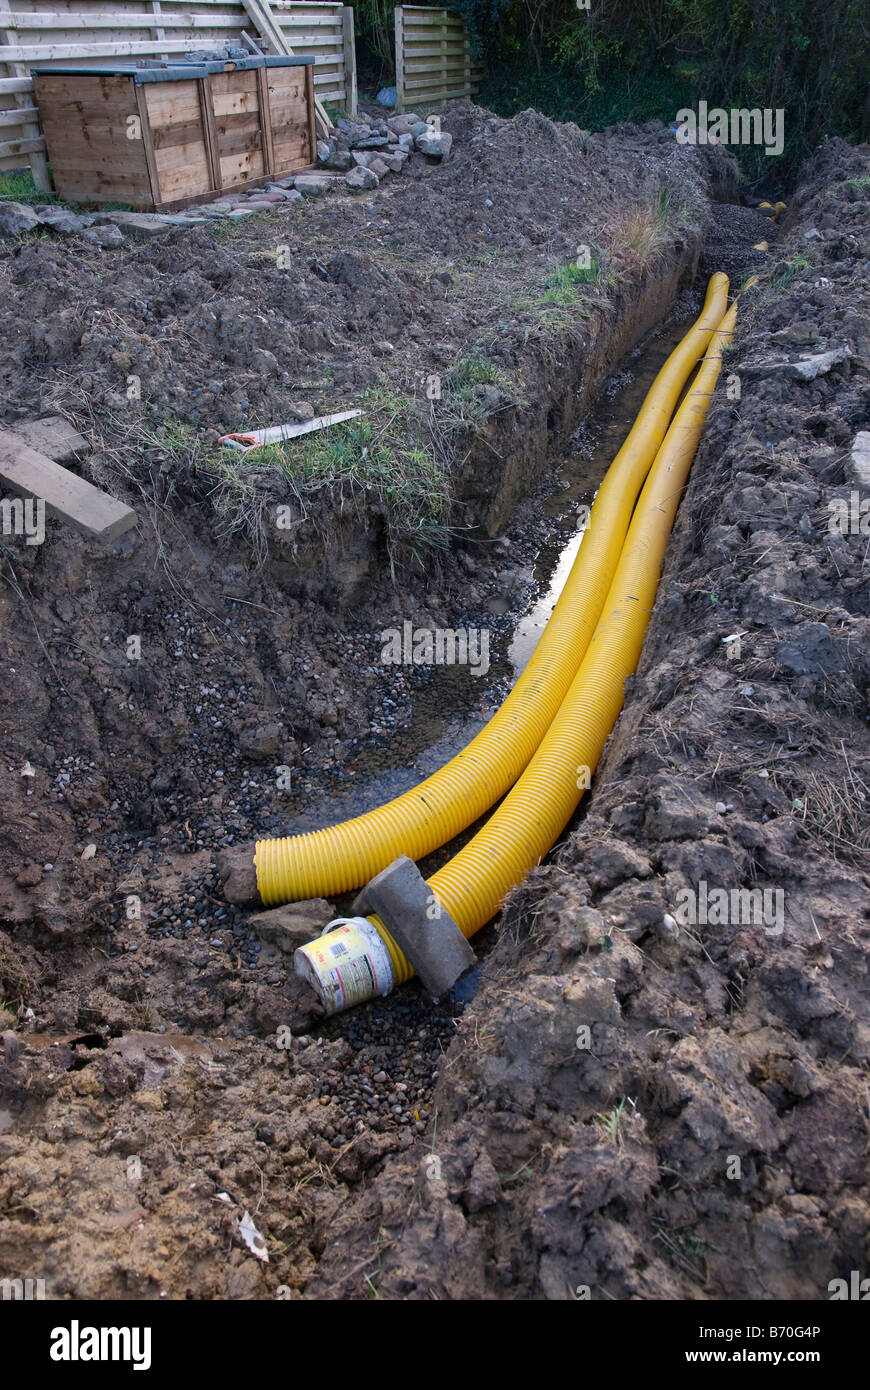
column 791, row 271
column 646, row 230
column 610, row 1123
column 18, row 187
column 474, row 389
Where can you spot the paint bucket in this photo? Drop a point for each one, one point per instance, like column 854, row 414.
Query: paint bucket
column 347, row 964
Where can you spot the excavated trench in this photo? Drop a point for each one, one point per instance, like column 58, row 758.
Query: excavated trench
column 327, row 1109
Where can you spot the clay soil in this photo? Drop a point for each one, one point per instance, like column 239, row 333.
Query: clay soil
column 158, row 1078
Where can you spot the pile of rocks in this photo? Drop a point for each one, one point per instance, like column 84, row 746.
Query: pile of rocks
column 357, row 157
column 367, row 149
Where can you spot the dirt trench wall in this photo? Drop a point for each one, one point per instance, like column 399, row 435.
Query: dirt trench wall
column 506, row 460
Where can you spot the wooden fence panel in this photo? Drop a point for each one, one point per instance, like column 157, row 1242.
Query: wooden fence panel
column 88, row 33
column 433, row 58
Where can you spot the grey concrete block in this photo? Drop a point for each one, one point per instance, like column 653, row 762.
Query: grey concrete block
column 417, row 922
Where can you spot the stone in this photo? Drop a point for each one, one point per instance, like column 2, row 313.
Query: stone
column 379, row 167
column 406, row 143
column 818, row 365
column 807, row 369
column 387, row 96
column 264, row 360
column 436, row 145
column 404, row 124
column 361, row 159
column 352, row 131
column 361, row 180
column 340, row 160
column 242, row 212
column 178, row 219
column 396, row 162
column 860, row 458
column 312, row 185
column 292, row 925
column 266, row 195
column 301, row 410
column 16, row 218
column 62, row 219
column 237, row 874
column 420, row 926
column 421, row 128
column 142, row 226
column 103, row 236
column 372, row 142
column 324, row 150
column 262, row 741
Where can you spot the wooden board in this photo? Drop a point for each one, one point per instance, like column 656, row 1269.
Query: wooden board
column 85, row 121
column 291, row 136
column 54, row 437
column 433, row 57
column 67, row 496
column 178, row 138
column 235, row 101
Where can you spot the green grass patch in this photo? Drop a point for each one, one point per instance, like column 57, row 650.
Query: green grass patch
column 474, row 389
column 561, row 296
column 792, row 269
column 379, row 458
column 18, row 187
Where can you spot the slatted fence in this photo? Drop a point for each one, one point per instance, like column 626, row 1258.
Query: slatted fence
column 86, row 33
column 433, row 58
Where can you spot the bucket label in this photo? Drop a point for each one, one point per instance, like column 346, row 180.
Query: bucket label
column 345, row 964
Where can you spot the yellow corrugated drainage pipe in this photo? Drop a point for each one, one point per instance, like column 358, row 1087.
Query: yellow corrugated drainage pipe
column 347, row 855
column 473, row 885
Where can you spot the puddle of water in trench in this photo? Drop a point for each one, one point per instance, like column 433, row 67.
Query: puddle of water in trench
column 595, row 445
column 451, row 705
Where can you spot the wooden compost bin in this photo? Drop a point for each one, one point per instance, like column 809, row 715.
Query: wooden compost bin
column 161, row 137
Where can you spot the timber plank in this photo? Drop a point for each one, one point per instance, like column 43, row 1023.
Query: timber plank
column 68, row 497
column 53, row 436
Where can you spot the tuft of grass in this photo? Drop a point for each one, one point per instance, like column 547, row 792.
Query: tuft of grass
column 18, row 187
column 859, row 186
column 792, row 269
column 378, row 457
column 475, row 389
column 835, row 806
column 610, row 1124
column 560, row 296
column 646, row 230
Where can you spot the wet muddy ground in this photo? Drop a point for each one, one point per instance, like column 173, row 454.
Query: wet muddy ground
column 149, row 1091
